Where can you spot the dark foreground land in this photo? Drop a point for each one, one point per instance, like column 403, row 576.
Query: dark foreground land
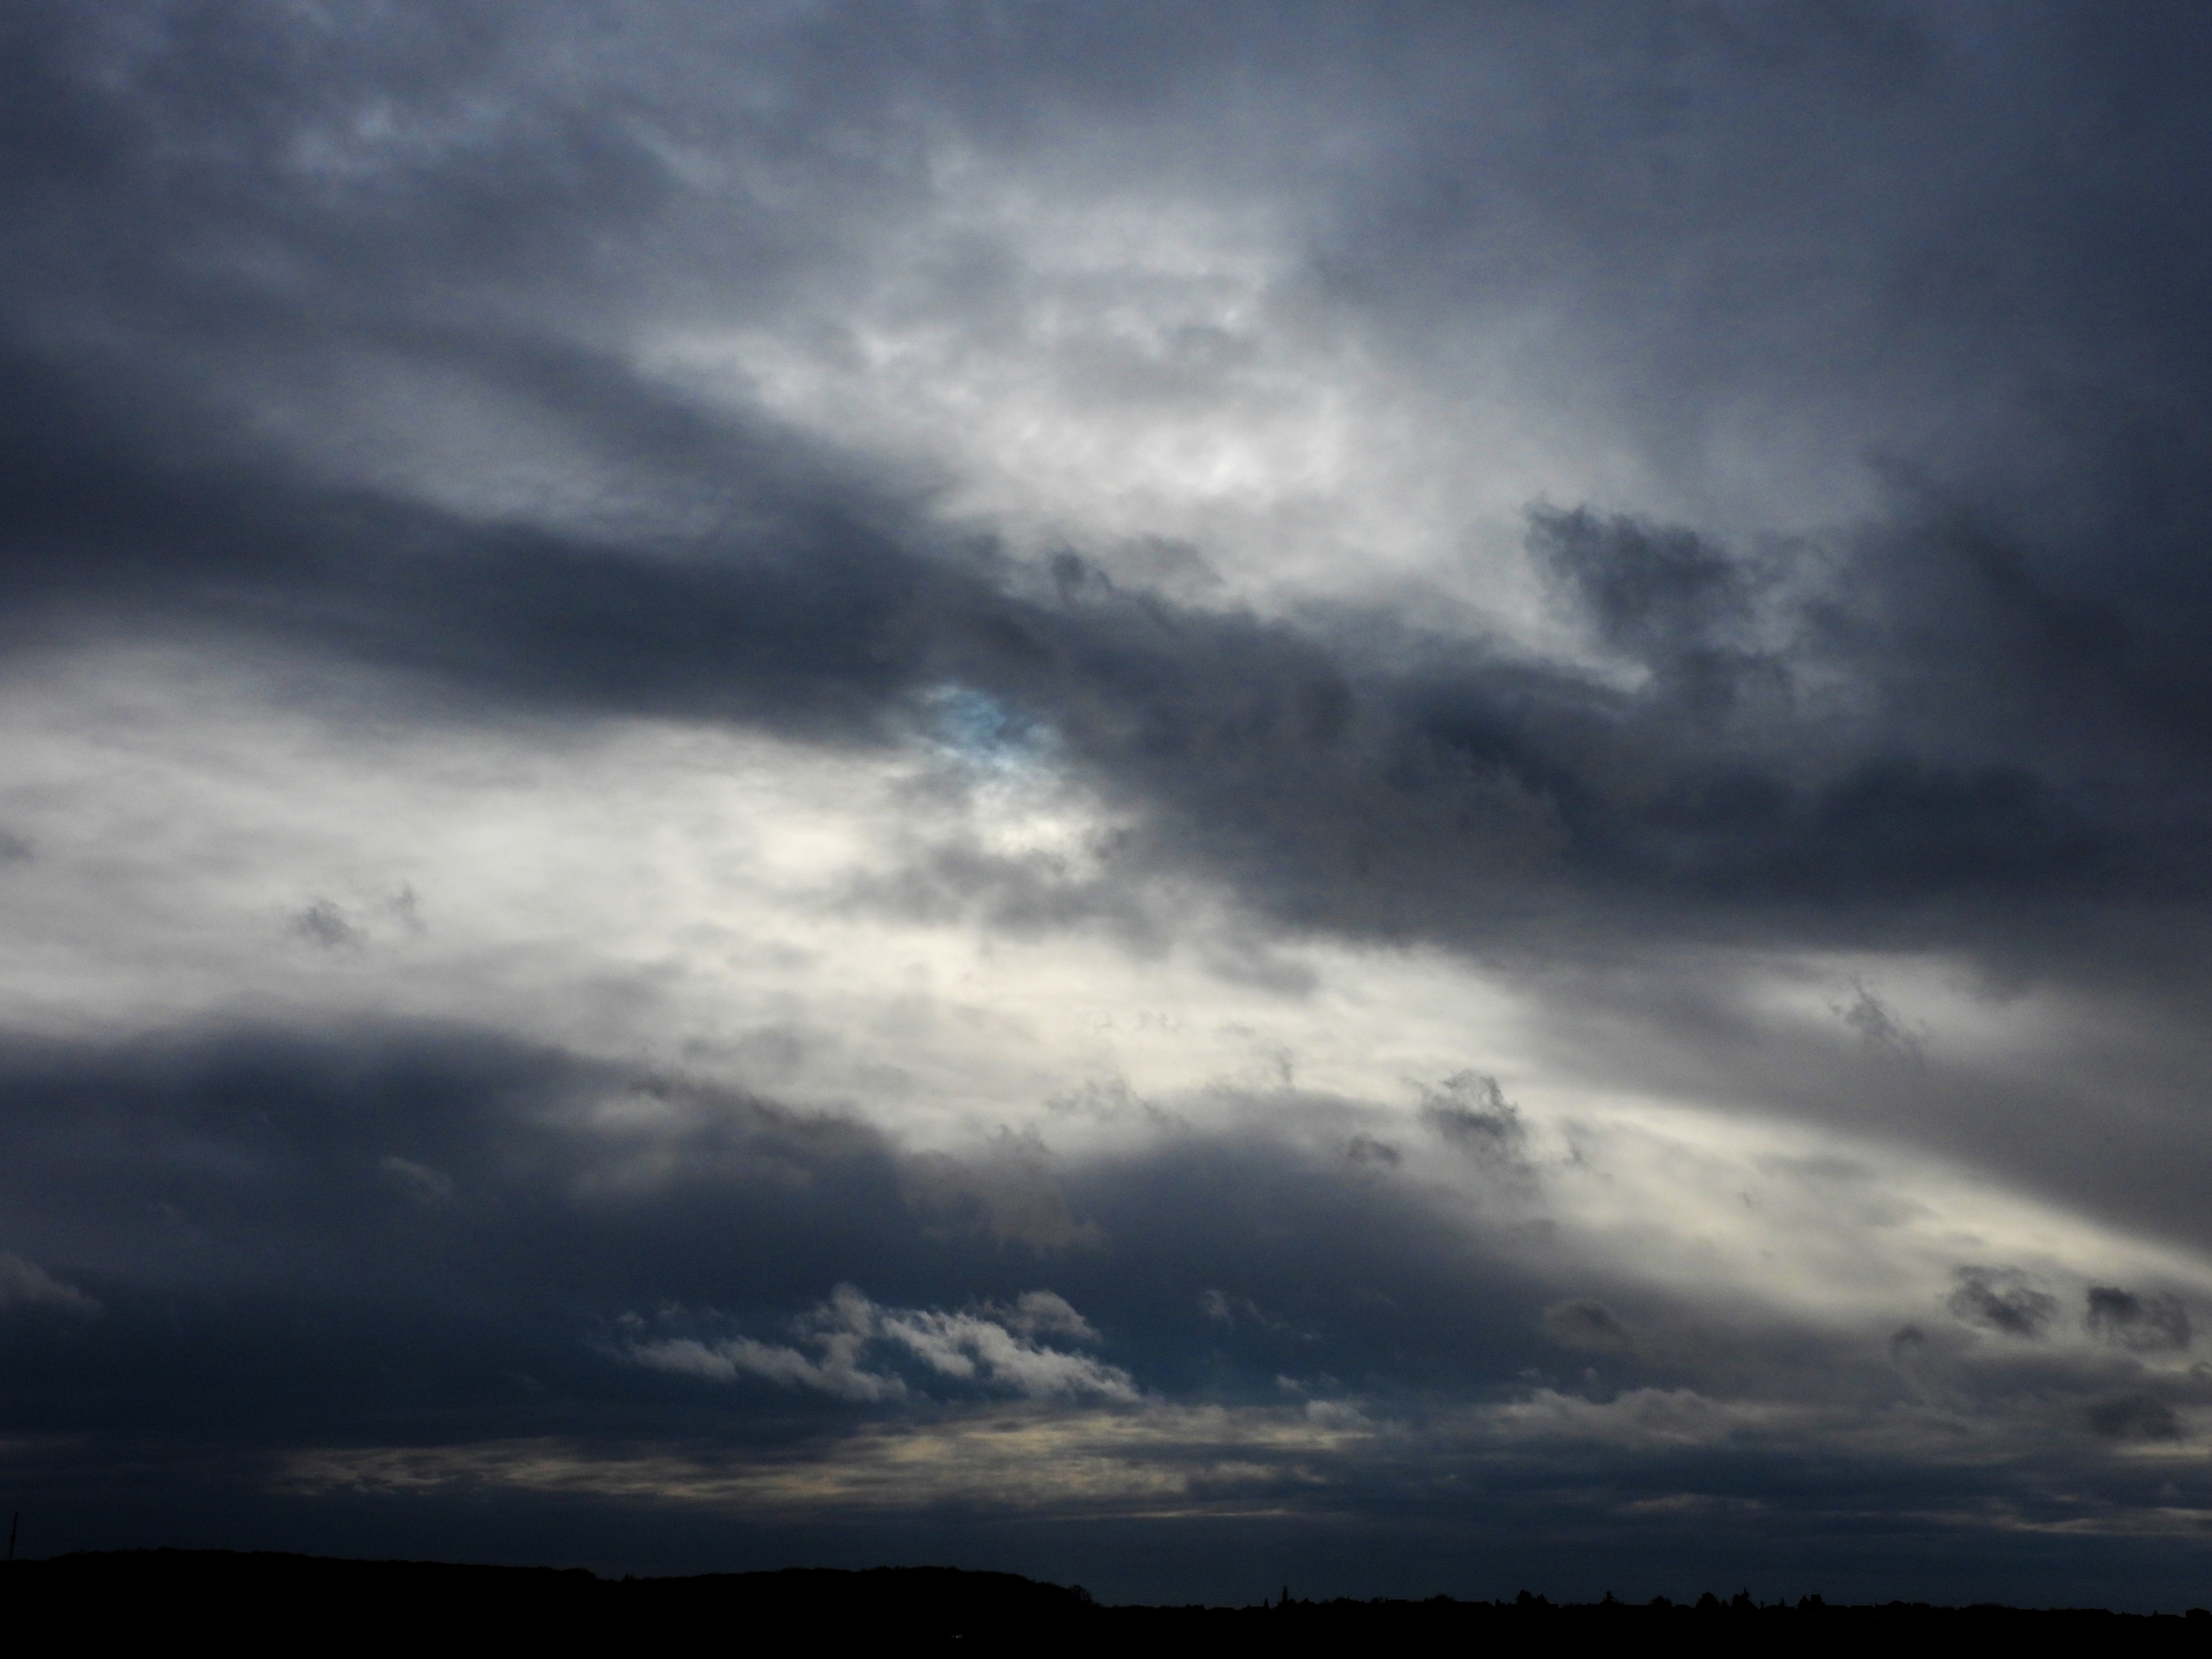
column 254, row 1601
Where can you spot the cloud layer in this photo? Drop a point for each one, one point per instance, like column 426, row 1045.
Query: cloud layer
column 1391, row 793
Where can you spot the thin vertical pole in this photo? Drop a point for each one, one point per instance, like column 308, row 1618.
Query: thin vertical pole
column 12, row 1520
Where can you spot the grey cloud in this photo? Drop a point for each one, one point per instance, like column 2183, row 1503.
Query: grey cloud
column 735, row 1357
column 1471, row 1113
column 1878, row 1026
column 1332, row 777
column 1667, row 598
column 2143, row 1323
column 288, row 1162
column 482, row 1175
column 966, row 1345
column 1370, row 1149
column 1324, row 789
column 1444, row 801
column 1025, row 895
column 991, row 1348
column 455, row 1171
column 1034, row 1312
column 324, row 923
column 2095, row 1121
column 2002, row 1299
column 839, row 1329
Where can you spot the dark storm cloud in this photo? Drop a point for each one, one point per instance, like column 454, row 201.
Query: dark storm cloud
column 1413, row 785
column 410, row 1173
column 346, row 1289
column 238, row 1247
column 454, row 1175
column 1990, row 700
column 264, row 1158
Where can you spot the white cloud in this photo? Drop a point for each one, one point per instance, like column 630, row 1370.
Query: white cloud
column 993, row 1349
column 835, row 1373
column 1044, row 1310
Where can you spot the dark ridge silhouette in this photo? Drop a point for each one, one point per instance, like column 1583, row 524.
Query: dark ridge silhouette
column 327, row 1601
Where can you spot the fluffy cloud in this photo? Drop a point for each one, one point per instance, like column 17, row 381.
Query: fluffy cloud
column 998, row 1354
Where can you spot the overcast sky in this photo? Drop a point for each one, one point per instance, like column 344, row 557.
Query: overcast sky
column 1404, row 797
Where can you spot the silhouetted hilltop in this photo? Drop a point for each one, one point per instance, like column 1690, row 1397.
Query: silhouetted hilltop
column 271, row 1591
column 273, row 1597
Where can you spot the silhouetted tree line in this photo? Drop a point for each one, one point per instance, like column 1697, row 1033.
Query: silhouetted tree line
column 222, row 1594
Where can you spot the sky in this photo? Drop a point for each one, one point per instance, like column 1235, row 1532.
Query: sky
column 1403, row 799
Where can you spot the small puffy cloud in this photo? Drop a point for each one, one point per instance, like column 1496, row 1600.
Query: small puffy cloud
column 1471, row 1112
column 323, row 923
column 839, row 1331
column 2002, row 1299
column 26, row 1284
column 968, row 1346
column 2142, row 1323
column 993, row 1348
column 1878, row 1027
column 834, row 1373
column 1367, row 1150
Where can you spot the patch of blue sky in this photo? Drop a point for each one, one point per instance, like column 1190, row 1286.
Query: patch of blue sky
column 985, row 732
